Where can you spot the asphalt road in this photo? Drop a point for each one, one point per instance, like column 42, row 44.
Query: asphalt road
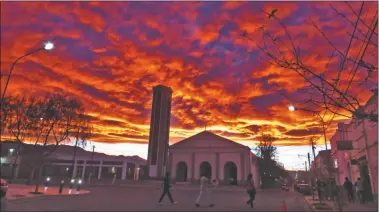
column 134, row 198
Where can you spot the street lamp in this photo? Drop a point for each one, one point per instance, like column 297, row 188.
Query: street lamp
column 291, row 108
column 11, row 152
column 48, row 46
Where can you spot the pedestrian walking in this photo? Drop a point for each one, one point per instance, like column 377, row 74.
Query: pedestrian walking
column 205, row 189
column 250, row 188
column 348, row 185
column 166, row 189
column 360, row 190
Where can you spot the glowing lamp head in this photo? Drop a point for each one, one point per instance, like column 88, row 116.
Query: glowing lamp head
column 72, row 181
column 48, row 46
column 11, row 150
column 80, row 181
column 291, row 108
column 48, row 179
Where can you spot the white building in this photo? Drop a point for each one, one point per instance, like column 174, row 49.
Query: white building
column 61, row 164
column 213, row 155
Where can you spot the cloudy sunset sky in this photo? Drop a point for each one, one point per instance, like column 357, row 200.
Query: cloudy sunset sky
column 111, row 54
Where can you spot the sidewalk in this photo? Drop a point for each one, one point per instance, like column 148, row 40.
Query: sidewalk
column 315, row 205
column 357, row 206
column 23, row 191
column 329, row 205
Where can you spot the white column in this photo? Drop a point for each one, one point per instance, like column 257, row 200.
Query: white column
column 100, row 166
column 124, row 170
column 136, row 172
column 84, row 169
column 74, row 171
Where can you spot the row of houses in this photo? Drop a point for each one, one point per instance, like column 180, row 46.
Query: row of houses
column 353, row 153
column 61, row 164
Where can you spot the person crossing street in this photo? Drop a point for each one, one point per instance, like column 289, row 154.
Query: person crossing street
column 250, row 188
column 204, row 190
column 166, row 189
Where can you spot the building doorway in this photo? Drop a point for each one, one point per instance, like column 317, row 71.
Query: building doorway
column 230, row 173
column 181, row 172
column 206, row 169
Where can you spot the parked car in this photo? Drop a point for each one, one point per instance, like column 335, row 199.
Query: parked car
column 4, row 189
column 304, row 188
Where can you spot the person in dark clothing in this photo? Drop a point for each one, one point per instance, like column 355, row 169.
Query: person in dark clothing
column 348, row 185
column 360, row 190
column 250, row 188
column 166, row 189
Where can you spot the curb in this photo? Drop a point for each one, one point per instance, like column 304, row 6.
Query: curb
column 314, row 209
column 26, row 194
column 309, row 204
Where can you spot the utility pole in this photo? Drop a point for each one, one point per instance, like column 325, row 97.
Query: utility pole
column 309, row 161
column 305, row 163
column 313, row 149
column 314, row 161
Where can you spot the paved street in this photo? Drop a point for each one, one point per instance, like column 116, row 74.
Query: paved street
column 134, row 198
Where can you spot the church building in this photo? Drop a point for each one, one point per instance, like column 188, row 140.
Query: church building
column 217, row 157
column 204, row 153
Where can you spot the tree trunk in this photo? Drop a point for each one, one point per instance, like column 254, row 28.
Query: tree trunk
column 39, row 174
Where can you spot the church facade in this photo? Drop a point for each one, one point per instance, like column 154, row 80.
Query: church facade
column 215, row 156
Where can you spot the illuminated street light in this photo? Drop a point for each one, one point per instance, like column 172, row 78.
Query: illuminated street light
column 48, row 46
column 291, row 108
column 11, row 150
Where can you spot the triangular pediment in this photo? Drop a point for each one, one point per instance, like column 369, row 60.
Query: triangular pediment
column 206, row 139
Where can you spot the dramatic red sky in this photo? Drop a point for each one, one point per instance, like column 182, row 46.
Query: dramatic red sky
column 111, row 54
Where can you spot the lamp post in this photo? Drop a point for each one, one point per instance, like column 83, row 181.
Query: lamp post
column 47, row 47
column 11, row 152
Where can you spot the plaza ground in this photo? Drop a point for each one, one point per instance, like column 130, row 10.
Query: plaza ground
column 145, row 198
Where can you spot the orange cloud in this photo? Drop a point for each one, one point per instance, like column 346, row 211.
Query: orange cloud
column 111, row 55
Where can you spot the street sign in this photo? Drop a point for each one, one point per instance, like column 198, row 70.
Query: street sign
column 345, row 145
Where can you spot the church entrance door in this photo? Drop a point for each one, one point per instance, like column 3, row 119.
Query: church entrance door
column 206, row 169
column 181, row 172
column 230, row 173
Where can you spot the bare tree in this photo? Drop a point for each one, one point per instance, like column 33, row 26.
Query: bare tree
column 265, row 149
column 266, row 152
column 19, row 123
column 327, row 93
column 54, row 117
column 5, row 113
